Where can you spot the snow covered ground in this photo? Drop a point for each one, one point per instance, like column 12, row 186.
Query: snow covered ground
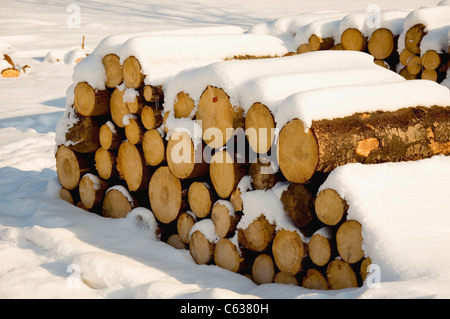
column 50, row 249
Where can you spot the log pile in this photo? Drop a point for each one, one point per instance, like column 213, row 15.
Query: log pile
column 120, row 147
column 393, row 38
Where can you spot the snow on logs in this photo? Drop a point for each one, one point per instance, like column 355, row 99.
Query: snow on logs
column 235, row 205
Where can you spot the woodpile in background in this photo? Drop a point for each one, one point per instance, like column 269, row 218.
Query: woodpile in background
column 392, row 46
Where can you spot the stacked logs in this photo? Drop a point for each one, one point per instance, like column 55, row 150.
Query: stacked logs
column 122, row 152
column 383, row 43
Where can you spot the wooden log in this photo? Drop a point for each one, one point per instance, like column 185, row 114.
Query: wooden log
column 303, row 48
column 259, row 128
column 135, row 104
column 132, row 73
column 320, row 247
column 353, row 39
column 263, row 174
column 132, row 167
column 314, row 279
column 201, row 249
column 288, row 251
column 340, row 275
column 413, row 38
column 185, row 222
column 285, row 278
column 153, row 93
column 349, row 241
column 382, row 43
column 10, row 73
column 337, row 46
column 200, row 198
column 175, row 241
column 408, row 76
column 330, row 208
column 430, row 75
column 431, row 60
column 414, row 65
column 224, row 218
column 228, row 256
column 113, row 69
column 84, row 135
column 118, row 202
column 258, row 235
column 225, row 172
column 183, row 105
column 134, row 130
column 298, row 202
column 110, row 136
column 263, row 269
column 154, row 148
column 119, row 108
column 92, row 190
column 368, row 138
column 72, row 197
column 218, row 117
column 404, row 57
column 91, row 102
column 151, row 117
column 105, row 163
column 168, row 197
column 317, row 43
column 70, row 166
column 236, row 200
column 363, row 268
column 184, row 159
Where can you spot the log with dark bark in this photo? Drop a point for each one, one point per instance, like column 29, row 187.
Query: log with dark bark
column 407, row 134
column 91, row 102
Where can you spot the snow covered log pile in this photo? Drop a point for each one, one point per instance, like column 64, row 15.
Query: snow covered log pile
column 228, row 141
column 413, row 43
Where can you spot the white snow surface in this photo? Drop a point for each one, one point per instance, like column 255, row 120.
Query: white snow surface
column 51, row 249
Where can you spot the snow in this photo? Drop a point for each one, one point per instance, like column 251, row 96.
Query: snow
column 51, row 249
column 269, row 81
column 395, row 223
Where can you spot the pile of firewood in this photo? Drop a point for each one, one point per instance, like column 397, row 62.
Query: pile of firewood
column 395, row 43
column 122, row 149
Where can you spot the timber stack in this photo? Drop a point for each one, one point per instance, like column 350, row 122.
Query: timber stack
column 228, row 160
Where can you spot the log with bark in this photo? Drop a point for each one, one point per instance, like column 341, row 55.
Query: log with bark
column 71, row 166
column 91, row 102
column 368, row 138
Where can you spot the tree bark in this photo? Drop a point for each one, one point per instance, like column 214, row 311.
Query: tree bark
column 298, row 202
column 84, row 135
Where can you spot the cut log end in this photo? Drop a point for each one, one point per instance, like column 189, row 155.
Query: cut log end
column 70, row 166
column 349, row 241
column 201, row 250
column 227, row 256
column 165, row 194
column 259, row 128
column 154, row 148
column 132, row 73
column 314, row 280
column 258, row 235
column 116, row 204
column 297, row 152
column 353, row 39
column 330, row 207
column 200, row 199
column 287, row 249
column 113, row 69
column 184, row 225
column 340, row 275
column 132, row 167
column 263, row 269
column 225, row 173
column 183, row 105
column 224, row 220
column 10, row 73
column 381, row 44
column 90, row 102
column 413, row 38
